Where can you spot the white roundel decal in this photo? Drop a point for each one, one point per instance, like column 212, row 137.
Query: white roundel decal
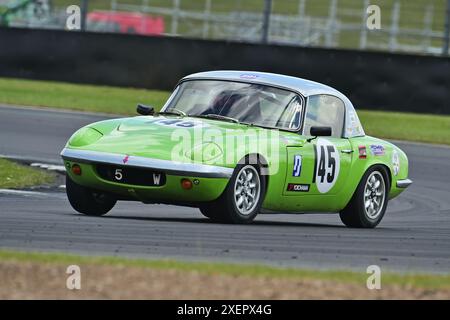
column 395, row 162
column 327, row 165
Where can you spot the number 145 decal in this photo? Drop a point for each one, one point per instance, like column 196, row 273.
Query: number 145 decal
column 326, row 165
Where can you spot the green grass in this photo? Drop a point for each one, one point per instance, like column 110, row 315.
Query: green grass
column 407, row 126
column 77, row 97
column 13, row 175
column 382, row 124
column 416, row 280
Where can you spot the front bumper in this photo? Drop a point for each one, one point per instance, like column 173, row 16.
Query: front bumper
column 167, row 166
column 404, row 183
column 211, row 180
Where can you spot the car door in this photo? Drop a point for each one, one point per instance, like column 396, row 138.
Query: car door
column 321, row 166
column 318, row 167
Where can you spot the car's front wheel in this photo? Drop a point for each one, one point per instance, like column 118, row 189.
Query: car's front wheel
column 87, row 201
column 242, row 198
column 369, row 202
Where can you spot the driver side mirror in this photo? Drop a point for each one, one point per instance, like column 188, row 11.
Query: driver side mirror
column 145, row 110
column 320, row 131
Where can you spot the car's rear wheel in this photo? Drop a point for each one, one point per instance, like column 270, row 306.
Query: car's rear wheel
column 87, row 201
column 242, row 198
column 369, row 202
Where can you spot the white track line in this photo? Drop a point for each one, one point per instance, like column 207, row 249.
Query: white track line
column 31, row 194
column 61, row 110
column 51, row 167
column 23, row 193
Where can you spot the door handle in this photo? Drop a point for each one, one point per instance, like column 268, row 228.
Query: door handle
column 347, row 151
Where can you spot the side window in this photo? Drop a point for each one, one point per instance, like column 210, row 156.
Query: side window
column 275, row 114
column 291, row 116
column 325, row 111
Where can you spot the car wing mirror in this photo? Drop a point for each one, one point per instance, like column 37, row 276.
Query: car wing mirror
column 319, row 132
column 145, row 110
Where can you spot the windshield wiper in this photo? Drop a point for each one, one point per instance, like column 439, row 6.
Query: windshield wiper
column 216, row 116
column 174, row 112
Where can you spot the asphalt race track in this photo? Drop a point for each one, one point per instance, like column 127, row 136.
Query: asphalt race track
column 39, row 134
column 414, row 235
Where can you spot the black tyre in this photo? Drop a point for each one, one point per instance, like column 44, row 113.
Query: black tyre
column 369, row 202
column 87, row 201
column 242, row 198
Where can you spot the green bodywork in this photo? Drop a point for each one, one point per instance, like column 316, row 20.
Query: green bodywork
column 145, row 136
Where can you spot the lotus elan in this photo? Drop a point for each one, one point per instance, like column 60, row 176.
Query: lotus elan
column 237, row 143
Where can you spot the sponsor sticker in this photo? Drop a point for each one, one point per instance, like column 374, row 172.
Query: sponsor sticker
column 362, row 152
column 377, row 150
column 298, row 187
column 297, row 166
column 354, row 127
column 395, row 162
column 248, row 76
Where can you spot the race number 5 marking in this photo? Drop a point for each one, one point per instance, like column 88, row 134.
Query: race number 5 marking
column 326, row 166
column 118, row 175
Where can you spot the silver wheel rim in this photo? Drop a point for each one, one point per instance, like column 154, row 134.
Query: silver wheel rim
column 374, row 195
column 247, row 189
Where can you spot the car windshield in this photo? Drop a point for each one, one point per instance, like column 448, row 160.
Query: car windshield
column 247, row 103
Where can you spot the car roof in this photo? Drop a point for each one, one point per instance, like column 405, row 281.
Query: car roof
column 304, row 87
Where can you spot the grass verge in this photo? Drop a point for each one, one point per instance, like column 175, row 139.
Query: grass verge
column 406, row 126
column 78, row 96
column 424, row 281
column 382, row 124
column 13, row 175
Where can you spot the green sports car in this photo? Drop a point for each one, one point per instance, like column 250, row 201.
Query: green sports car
column 233, row 144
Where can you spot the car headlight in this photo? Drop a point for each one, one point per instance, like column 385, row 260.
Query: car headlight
column 84, row 136
column 204, row 152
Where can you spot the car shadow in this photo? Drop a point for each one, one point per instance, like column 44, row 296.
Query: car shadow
column 202, row 220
